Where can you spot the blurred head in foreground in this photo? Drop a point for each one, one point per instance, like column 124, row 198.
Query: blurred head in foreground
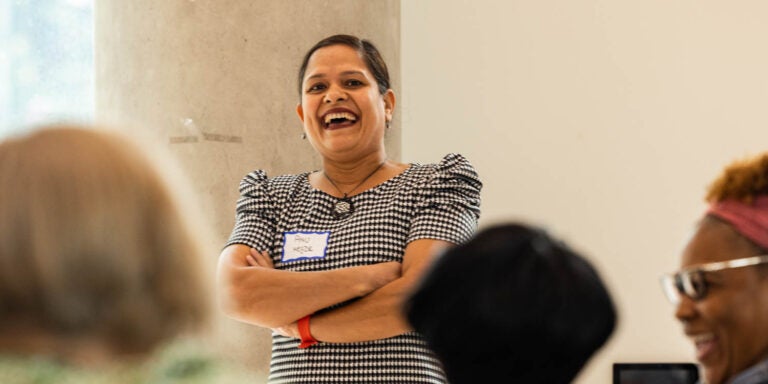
column 512, row 305
column 96, row 260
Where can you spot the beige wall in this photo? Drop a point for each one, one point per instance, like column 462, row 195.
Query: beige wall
column 215, row 82
column 602, row 120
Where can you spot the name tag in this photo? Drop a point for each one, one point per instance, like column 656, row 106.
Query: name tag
column 304, row 245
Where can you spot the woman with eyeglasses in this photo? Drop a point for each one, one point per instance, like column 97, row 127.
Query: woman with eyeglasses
column 721, row 292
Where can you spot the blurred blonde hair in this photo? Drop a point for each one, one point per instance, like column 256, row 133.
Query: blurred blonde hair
column 93, row 243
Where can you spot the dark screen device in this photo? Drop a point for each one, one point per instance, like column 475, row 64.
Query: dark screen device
column 655, row 373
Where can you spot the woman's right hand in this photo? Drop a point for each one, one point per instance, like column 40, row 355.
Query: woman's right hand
column 258, row 258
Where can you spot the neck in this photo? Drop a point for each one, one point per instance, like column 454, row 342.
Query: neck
column 350, row 173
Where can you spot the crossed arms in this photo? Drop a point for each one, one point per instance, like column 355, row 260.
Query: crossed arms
column 252, row 291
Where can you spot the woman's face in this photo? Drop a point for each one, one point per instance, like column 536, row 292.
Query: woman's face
column 343, row 112
column 729, row 326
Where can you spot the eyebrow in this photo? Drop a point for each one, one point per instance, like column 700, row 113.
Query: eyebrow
column 345, row 73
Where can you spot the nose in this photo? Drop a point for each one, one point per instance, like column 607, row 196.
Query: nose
column 334, row 94
column 685, row 309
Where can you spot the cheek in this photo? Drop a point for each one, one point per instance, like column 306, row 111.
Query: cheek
column 741, row 320
column 723, row 312
column 753, row 318
column 373, row 102
column 311, row 101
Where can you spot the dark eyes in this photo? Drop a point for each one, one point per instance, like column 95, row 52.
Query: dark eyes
column 316, row 88
column 350, row 83
column 353, row 83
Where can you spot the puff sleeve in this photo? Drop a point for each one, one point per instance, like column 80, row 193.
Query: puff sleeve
column 255, row 218
column 448, row 202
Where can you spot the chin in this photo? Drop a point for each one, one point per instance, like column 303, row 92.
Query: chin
column 713, row 376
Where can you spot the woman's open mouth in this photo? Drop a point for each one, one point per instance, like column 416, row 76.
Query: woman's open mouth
column 706, row 345
column 338, row 120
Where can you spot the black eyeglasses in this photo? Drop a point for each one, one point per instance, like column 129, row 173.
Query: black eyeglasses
column 690, row 281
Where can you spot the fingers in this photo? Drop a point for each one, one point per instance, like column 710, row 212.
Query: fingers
column 288, row 330
column 259, row 258
column 281, row 331
column 267, row 259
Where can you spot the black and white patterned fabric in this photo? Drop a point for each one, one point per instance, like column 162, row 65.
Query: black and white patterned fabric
column 434, row 201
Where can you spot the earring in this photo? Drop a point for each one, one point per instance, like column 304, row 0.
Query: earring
column 303, row 135
column 388, row 123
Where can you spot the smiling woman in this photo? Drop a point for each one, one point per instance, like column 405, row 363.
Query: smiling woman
column 340, row 92
column 722, row 291
column 326, row 258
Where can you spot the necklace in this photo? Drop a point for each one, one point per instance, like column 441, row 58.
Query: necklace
column 343, row 207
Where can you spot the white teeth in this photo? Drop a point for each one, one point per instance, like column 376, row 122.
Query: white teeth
column 341, row 115
column 703, row 338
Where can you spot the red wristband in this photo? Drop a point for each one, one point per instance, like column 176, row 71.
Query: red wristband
column 306, row 338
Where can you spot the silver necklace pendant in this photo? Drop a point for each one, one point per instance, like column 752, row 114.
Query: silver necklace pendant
column 343, row 208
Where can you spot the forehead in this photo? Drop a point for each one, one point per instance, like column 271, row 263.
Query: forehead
column 334, row 59
column 712, row 242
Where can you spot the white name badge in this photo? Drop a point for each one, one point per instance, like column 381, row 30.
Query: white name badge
column 304, row 245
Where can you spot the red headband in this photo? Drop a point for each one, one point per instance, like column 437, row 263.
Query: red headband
column 750, row 220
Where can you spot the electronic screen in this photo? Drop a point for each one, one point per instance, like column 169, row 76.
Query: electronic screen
column 655, row 373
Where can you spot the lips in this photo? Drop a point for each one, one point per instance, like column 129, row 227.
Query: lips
column 337, row 118
column 706, row 345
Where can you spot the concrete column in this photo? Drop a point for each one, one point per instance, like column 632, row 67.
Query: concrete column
column 215, row 81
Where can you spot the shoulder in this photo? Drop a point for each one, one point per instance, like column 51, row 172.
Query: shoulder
column 756, row 374
column 452, row 167
column 456, row 164
column 259, row 180
column 260, row 176
column 451, row 161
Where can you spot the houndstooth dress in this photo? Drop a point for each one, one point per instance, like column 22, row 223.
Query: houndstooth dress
column 433, row 201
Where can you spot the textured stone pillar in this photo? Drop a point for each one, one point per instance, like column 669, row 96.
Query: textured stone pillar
column 215, row 81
